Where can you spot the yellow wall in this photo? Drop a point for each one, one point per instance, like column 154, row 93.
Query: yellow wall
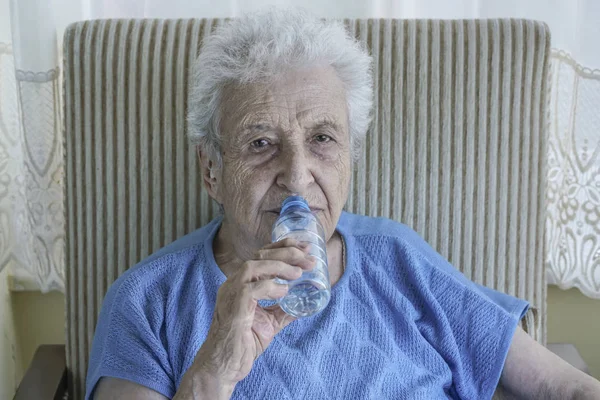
column 10, row 357
column 572, row 317
column 39, row 319
column 575, row 318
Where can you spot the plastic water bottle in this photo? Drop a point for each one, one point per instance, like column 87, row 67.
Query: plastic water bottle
column 310, row 293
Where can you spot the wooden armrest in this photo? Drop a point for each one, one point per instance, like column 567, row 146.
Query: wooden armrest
column 569, row 353
column 46, row 377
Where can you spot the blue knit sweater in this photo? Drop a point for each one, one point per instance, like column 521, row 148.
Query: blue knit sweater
column 402, row 324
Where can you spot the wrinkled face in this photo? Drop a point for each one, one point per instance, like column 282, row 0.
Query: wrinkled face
column 289, row 136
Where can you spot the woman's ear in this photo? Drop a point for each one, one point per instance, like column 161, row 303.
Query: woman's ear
column 211, row 174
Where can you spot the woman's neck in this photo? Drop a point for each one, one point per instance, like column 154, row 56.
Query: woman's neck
column 229, row 253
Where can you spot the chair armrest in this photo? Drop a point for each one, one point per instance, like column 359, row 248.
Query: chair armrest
column 569, row 353
column 46, row 377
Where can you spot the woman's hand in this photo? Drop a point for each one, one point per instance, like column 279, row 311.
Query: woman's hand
column 241, row 330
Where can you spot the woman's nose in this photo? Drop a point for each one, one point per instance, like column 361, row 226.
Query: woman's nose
column 296, row 173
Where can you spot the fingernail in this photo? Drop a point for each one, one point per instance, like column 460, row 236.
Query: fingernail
column 284, row 289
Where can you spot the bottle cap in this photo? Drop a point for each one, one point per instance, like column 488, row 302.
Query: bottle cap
column 294, row 201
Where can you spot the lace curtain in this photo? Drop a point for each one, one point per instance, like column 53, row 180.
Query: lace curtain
column 573, row 222
column 31, row 170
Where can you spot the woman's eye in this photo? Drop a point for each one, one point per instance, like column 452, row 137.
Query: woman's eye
column 323, row 138
column 259, row 144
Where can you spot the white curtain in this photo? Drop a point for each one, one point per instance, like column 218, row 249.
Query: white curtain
column 31, row 165
column 31, row 171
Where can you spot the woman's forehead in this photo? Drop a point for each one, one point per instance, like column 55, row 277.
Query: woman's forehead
column 315, row 97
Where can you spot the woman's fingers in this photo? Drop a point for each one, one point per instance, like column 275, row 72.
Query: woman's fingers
column 255, row 280
column 289, row 254
column 288, row 242
column 283, row 262
column 261, row 270
column 280, row 317
column 267, row 290
column 238, row 321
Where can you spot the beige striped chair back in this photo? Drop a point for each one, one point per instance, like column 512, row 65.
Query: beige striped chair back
column 456, row 151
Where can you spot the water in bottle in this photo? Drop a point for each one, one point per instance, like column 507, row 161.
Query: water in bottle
column 310, row 293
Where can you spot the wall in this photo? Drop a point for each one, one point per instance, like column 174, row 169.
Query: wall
column 27, row 320
column 39, row 319
column 10, row 357
column 575, row 318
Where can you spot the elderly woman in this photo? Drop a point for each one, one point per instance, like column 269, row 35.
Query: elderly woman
column 280, row 104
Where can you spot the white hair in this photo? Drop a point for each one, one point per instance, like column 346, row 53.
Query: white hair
column 260, row 46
